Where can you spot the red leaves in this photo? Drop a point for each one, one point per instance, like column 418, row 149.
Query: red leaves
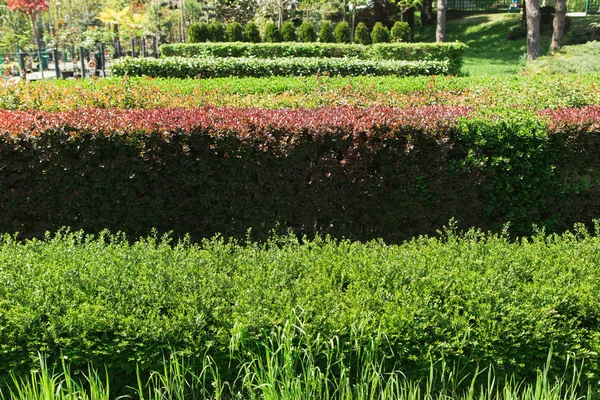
column 585, row 118
column 29, row 7
column 243, row 122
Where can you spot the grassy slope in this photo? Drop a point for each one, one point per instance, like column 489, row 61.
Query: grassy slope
column 580, row 59
column 489, row 52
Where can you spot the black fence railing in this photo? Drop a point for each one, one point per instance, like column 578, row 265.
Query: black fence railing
column 478, row 5
column 71, row 61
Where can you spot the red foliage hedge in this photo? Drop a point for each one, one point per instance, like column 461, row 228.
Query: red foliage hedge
column 360, row 173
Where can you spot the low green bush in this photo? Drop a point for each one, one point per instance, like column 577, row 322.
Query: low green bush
column 216, row 31
column 288, row 32
column 342, row 32
column 198, row 32
column 306, row 33
column 326, row 33
column 179, row 67
column 382, row 51
column 252, row 33
column 471, row 300
column 361, row 34
column 400, row 31
column 380, row 34
column 234, row 32
column 272, row 33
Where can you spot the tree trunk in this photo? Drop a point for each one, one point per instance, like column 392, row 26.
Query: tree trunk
column 558, row 25
column 426, row 13
column 440, row 30
column 533, row 29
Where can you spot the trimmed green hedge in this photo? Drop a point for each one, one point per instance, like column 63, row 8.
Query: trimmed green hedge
column 179, row 67
column 477, row 300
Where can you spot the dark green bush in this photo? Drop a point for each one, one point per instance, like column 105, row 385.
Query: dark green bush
column 198, row 32
column 288, row 32
column 326, row 33
column 472, row 299
column 342, row 33
column 306, row 33
column 400, row 31
column 361, row 34
column 234, row 32
column 216, row 31
column 272, row 34
column 252, row 33
column 380, row 34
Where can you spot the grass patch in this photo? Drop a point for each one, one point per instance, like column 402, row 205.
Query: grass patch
column 579, row 59
column 489, row 51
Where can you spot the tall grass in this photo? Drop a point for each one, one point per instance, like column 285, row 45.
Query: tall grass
column 289, row 364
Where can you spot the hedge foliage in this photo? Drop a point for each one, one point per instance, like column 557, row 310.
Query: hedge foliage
column 475, row 299
column 362, row 173
column 180, row 67
column 382, row 51
column 508, row 92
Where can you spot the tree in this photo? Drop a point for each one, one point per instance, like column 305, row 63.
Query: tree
column 440, row 30
column 234, row 32
column 558, row 25
column 198, row 32
column 288, row 32
column 216, row 31
column 361, row 34
column 306, row 33
column 272, row 34
column 380, row 33
column 31, row 8
column 400, row 31
column 252, row 33
column 342, row 33
column 326, row 32
column 533, row 29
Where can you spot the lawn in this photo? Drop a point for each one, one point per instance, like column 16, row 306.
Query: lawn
column 489, row 51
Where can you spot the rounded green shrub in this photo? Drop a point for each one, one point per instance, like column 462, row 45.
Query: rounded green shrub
column 272, row 34
column 341, row 33
column 380, row 34
column 252, row 33
column 306, row 33
column 288, row 32
column 216, row 31
column 198, row 32
column 361, row 34
column 326, row 33
column 234, row 32
column 400, row 31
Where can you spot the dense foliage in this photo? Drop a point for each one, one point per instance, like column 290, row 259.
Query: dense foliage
column 180, row 67
column 363, row 173
column 380, row 34
column 476, row 300
column 513, row 92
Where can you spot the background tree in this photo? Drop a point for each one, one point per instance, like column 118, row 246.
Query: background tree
column 533, row 29
column 558, row 25
column 399, row 31
column 361, row 34
column 216, row 31
column 31, row 8
column 380, row 34
column 306, row 32
column 440, row 29
column 251, row 33
column 234, row 32
column 198, row 32
column 272, row 34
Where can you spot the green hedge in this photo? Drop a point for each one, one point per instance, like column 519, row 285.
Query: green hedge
column 477, row 300
column 179, row 67
column 381, row 51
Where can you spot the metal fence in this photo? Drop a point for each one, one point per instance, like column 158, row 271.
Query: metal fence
column 478, row 5
column 71, row 62
column 593, row 7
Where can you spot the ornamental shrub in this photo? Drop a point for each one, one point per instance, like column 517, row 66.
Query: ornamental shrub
column 216, row 31
column 234, row 32
column 341, row 33
column 198, row 32
column 361, row 34
column 400, row 31
column 306, row 33
column 272, row 33
column 252, row 33
column 380, row 33
column 326, row 33
column 288, row 32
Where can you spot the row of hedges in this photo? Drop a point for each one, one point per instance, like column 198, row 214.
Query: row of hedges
column 476, row 300
column 382, row 51
column 359, row 173
column 304, row 92
column 180, row 67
